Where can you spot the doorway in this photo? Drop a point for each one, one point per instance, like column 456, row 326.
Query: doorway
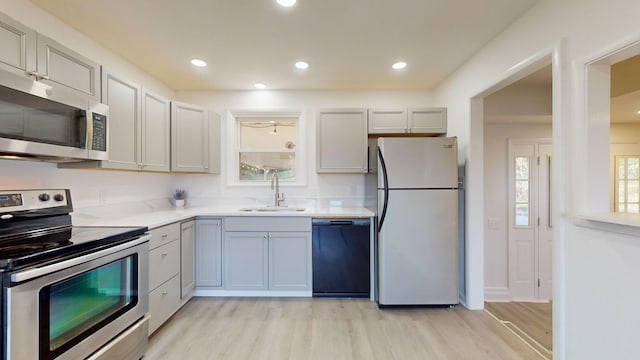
column 517, row 133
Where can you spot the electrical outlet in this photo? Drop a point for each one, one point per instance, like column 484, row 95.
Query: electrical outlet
column 492, row 224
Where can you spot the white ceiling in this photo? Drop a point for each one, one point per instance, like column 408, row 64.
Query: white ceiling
column 349, row 44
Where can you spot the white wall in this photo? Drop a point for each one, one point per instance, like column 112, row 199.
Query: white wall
column 595, row 317
column 88, row 187
column 496, row 279
column 318, row 189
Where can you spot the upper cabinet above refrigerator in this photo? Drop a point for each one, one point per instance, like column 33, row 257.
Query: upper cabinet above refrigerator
column 408, row 121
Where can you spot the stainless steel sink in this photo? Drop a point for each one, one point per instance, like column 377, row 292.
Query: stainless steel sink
column 273, row 208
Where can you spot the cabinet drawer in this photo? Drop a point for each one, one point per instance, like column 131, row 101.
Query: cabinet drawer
column 163, row 302
column 267, row 223
column 164, row 235
column 164, row 263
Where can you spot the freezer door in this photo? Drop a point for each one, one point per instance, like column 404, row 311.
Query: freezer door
column 418, row 248
column 419, row 163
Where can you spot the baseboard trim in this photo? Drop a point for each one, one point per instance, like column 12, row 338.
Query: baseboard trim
column 249, row 293
column 496, row 294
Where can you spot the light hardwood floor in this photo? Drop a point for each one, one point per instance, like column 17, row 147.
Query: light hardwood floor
column 250, row 328
column 534, row 319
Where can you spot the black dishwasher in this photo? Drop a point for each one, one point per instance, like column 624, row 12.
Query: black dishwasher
column 341, row 251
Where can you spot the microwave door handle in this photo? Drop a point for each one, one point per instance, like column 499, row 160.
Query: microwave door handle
column 89, row 120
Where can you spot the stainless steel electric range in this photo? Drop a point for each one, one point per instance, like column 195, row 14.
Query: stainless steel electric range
column 69, row 292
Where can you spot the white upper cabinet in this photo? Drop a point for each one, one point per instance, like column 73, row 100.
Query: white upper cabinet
column 155, row 133
column 428, row 121
column 387, row 121
column 139, row 128
column 341, row 141
column 123, row 98
column 18, row 44
column 62, row 67
column 408, row 121
column 34, row 55
column 189, row 138
column 215, row 143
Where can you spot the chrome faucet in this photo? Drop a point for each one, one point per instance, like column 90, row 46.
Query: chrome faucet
column 278, row 197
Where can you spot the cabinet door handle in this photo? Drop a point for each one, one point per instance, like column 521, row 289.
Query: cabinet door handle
column 164, row 254
column 164, row 293
column 187, row 227
column 37, row 76
column 265, row 236
column 164, row 236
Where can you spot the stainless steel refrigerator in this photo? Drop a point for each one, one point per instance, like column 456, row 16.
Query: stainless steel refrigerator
column 417, row 208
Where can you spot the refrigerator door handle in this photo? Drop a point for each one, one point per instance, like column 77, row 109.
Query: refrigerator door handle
column 386, row 189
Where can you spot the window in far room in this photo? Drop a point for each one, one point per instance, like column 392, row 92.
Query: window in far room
column 627, row 184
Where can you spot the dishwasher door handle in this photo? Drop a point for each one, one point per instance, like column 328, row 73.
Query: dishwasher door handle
column 341, row 222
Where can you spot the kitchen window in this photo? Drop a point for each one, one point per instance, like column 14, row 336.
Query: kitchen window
column 266, row 143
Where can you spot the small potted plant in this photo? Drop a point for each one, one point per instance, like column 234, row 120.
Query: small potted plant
column 178, row 197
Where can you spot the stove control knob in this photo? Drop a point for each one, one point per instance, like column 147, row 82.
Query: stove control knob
column 58, row 197
column 44, row 197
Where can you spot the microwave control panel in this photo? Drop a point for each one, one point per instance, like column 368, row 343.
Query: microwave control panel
column 99, row 140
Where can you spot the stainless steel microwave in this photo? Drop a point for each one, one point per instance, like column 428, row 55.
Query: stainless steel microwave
column 38, row 121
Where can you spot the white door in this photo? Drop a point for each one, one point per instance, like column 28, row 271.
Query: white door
column 529, row 220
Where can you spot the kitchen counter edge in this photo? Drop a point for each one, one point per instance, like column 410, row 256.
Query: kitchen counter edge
column 157, row 218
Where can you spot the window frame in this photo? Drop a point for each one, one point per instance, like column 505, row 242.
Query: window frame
column 234, row 149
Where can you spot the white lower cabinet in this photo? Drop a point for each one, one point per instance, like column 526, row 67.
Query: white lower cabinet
column 267, row 253
column 164, row 301
column 171, row 270
column 290, row 260
column 246, row 260
column 209, row 252
column 187, row 260
column 164, row 274
column 165, row 262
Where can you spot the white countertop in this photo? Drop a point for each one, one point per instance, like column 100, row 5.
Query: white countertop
column 155, row 216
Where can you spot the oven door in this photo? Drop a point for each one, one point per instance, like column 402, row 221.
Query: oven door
column 72, row 308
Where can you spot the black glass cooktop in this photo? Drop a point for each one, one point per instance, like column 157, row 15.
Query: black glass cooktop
column 36, row 248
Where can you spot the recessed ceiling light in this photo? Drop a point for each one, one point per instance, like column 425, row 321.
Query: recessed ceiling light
column 198, row 63
column 399, row 65
column 259, row 86
column 286, row 3
column 302, row 65
column 638, row 112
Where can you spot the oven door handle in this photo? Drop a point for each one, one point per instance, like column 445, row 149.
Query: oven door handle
column 40, row 271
